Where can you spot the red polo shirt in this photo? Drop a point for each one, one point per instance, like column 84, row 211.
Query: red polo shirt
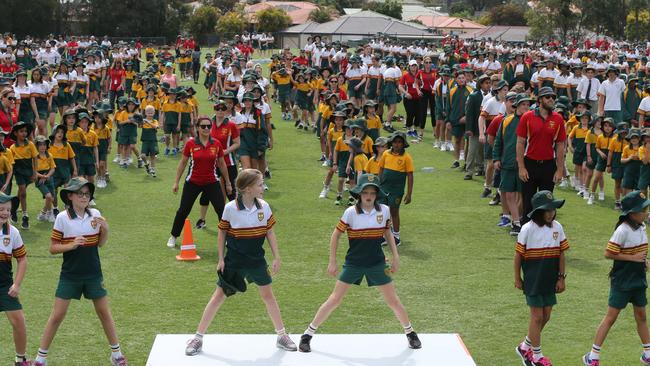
column 541, row 134
column 409, row 81
column 203, row 161
column 493, row 127
column 225, row 134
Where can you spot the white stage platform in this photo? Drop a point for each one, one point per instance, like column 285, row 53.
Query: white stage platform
column 327, row 350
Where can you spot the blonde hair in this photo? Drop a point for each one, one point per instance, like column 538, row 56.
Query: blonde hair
column 149, row 108
column 247, row 178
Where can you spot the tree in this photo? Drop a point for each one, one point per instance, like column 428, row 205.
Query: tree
column 549, row 17
column 34, row 18
column 230, row 24
column 321, row 15
column 638, row 25
column 223, row 5
column 392, row 8
column 506, row 14
column 203, row 21
column 461, row 10
column 604, row 16
column 272, row 20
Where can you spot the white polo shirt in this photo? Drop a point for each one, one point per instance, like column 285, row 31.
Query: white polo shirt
column 612, row 92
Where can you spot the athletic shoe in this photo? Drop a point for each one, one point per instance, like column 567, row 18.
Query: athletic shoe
column 590, row 199
column 436, row 145
column 305, row 346
column 504, row 222
column 443, row 146
column 55, row 211
column 119, row 361
column 644, row 360
column 338, row 200
column 398, row 242
column 129, row 161
column 601, row 196
column 461, row 156
column 92, row 203
column 153, row 172
column 39, row 363
column 325, row 163
column 542, row 362
column 515, row 230
column 322, row 158
column 323, row 193
column 524, row 355
column 581, row 192
column 455, row 164
column 23, row 363
column 171, row 242
column 414, row 341
column 480, row 173
column 617, row 206
column 146, row 165
column 194, row 347
column 51, row 217
column 589, row 362
column 200, row 224
column 496, row 200
column 267, row 174
column 467, row 177
column 166, row 151
column 25, row 223
column 117, row 158
column 389, row 128
column 174, row 151
column 564, row 183
column 486, row 192
column 297, row 125
column 14, row 217
column 42, row 216
column 284, row 342
column 411, row 134
column 450, row 146
column 266, row 188
column 140, row 163
column 351, row 201
column 107, row 177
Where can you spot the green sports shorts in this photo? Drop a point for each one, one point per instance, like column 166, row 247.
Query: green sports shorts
column 87, row 169
column 457, row 129
column 233, row 280
column 375, row 275
column 170, row 128
column 124, row 139
column 510, row 181
column 149, row 148
column 73, row 289
column 541, row 301
column 22, row 180
column 47, row 187
column 8, row 303
column 601, row 164
column 618, row 299
column 617, row 172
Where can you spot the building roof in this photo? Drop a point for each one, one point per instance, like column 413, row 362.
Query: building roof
column 411, row 11
column 365, row 23
column 447, row 22
column 501, row 32
column 297, row 10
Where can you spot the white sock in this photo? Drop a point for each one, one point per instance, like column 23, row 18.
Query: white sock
column 281, row 332
column 116, row 352
column 595, row 353
column 311, row 329
column 526, row 345
column 646, row 350
column 198, row 335
column 408, row 328
column 537, row 353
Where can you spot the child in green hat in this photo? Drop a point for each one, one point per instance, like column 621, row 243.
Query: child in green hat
column 628, row 248
column 578, row 149
column 367, row 224
column 10, row 288
column 614, row 165
column 631, row 161
column 45, row 167
column 24, row 153
column 539, row 252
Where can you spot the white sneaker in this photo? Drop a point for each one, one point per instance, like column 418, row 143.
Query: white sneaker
column 92, row 203
column 325, row 163
column 581, row 192
column 323, row 193
column 117, row 158
column 587, row 194
column 564, row 183
column 436, row 145
column 450, row 146
column 42, row 216
column 171, row 242
column 443, row 146
column 266, row 188
column 129, row 161
column 462, row 156
column 601, row 196
column 590, row 199
column 51, row 217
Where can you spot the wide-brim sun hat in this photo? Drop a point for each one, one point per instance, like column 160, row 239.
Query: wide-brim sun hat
column 74, row 185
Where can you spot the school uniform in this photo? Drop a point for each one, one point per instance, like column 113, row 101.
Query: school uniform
column 23, row 161
column 148, row 138
column 372, row 166
column 391, row 77
column 644, row 171
column 171, row 112
column 591, row 139
column 393, row 179
column 632, row 168
column 578, row 135
column 354, row 77
column 62, row 156
column 6, row 166
column 302, row 99
column 253, row 134
column 12, row 247
column 602, row 143
column 616, row 147
column 540, row 248
column 342, row 155
column 81, row 271
column 103, row 137
column 43, row 166
column 40, row 92
column 246, row 231
column 504, row 151
column 64, row 82
column 628, row 281
column 127, row 131
column 374, row 126
column 186, row 110
column 365, row 257
column 86, row 154
column 366, row 145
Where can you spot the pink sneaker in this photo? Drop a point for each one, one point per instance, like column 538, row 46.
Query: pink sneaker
column 542, row 362
column 120, row 361
column 589, row 362
column 644, row 360
column 526, row 356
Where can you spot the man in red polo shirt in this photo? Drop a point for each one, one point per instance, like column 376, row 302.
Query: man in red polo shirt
column 541, row 138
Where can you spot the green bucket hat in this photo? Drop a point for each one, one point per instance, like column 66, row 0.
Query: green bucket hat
column 635, row 201
column 522, row 97
column 227, row 95
column 40, row 139
column 73, row 186
column 563, row 99
column 339, row 114
column 583, row 114
column 69, row 112
column 621, row 127
column 366, row 180
column 380, row 141
column 20, row 125
column 543, row 200
column 360, row 123
column 634, row 132
column 248, row 96
column 356, row 144
column 397, row 134
column 7, row 198
column 84, row 115
column 583, row 102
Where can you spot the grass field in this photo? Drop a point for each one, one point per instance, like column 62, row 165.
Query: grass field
column 456, row 273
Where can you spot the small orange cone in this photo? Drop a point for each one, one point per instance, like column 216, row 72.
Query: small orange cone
column 188, row 249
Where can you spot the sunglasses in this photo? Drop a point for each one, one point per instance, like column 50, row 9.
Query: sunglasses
column 549, row 97
column 205, row 127
column 427, row 62
column 221, row 108
column 11, row 98
column 83, row 194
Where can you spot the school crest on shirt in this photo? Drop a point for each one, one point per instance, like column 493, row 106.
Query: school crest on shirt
column 551, row 125
column 6, row 241
column 260, row 216
column 555, row 235
column 93, row 223
column 380, row 218
column 400, row 161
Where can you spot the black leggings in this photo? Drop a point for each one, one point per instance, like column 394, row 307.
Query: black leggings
column 232, row 175
column 190, row 192
column 196, row 67
column 412, row 111
column 540, row 178
column 427, row 102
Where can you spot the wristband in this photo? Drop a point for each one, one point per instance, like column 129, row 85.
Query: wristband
column 561, row 275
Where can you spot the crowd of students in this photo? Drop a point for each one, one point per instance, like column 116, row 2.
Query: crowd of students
column 505, row 112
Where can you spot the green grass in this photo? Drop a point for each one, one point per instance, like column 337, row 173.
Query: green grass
column 456, row 273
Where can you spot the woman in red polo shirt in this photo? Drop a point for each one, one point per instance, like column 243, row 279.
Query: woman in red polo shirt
column 409, row 86
column 227, row 133
column 117, row 79
column 204, row 155
column 427, row 76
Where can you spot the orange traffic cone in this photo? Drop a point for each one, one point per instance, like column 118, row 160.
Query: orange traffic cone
column 188, row 249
